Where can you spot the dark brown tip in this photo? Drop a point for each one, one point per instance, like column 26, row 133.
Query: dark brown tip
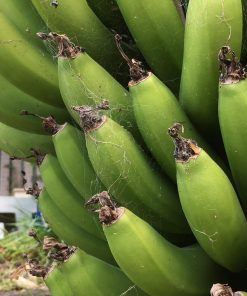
column 232, row 70
column 185, row 149
column 221, row 290
column 136, row 68
column 38, row 155
column 90, row 118
column 66, row 48
column 101, row 203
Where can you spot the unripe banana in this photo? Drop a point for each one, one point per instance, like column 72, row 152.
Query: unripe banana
column 57, row 282
column 13, row 101
column 66, row 230
column 232, row 117
column 150, row 261
column 210, row 205
column 25, row 66
column 66, row 198
column 209, row 25
column 90, row 276
column 158, row 31
column 78, row 21
column 128, row 175
column 19, row 143
column 156, row 109
column 71, row 151
column 83, row 81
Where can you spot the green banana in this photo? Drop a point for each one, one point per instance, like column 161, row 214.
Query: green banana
column 89, row 276
column 78, row 21
column 154, row 264
column 82, row 81
column 57, row 282
column 66, row 230
column 156, row 109
column 209, row 25
column 25, row 66
column 210, row 205
column 13, row 101
column 157, row 23
column 232, row 117
column 25, row 17
column 66, row 198
column 127, row 174
column 19, row 143
column 241, row 293
column 71, row 151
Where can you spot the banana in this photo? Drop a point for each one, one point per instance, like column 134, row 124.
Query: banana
column 210, row 24
column 83, row 81
column 57, row 282
column 90, row 276
column 66, row 198
column 156, row 109
column 232, row 109
column 27, row 67
column 19, row 143
column 146, row 21
column 128, row 175
column 210, row 205
column 66, row 230
column 154, row 264
column 244, row 39
column 25, row 17
column 78, row 21
column 71, row 151
column 13, row 101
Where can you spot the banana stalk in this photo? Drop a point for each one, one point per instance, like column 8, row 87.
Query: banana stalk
column 128, row 175
column 210, row 205
column 66, row 198
column 13, row 101
column 210, row 24
column 66, row 230
column 150, row 261
column 162, row 48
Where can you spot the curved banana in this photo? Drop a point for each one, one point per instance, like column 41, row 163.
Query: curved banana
column 128, row 175
column 88, row 275
column 210, row 24
column 158, row 31
column 210, row 205
column 19, row 143
column 13, row 101
column 232, row 117
column 66, row 198
column 66, row 230
column 156, row 109
column 78, row 21
column 26, row 66
column 154, row 264
column 71, row 151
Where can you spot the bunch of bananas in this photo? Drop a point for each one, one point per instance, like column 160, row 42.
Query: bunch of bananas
column 170, row 227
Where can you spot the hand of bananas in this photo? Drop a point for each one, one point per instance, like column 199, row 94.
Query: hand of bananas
column 163, row 163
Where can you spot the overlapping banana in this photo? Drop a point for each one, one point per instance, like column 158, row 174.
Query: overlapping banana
column 97, row 138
